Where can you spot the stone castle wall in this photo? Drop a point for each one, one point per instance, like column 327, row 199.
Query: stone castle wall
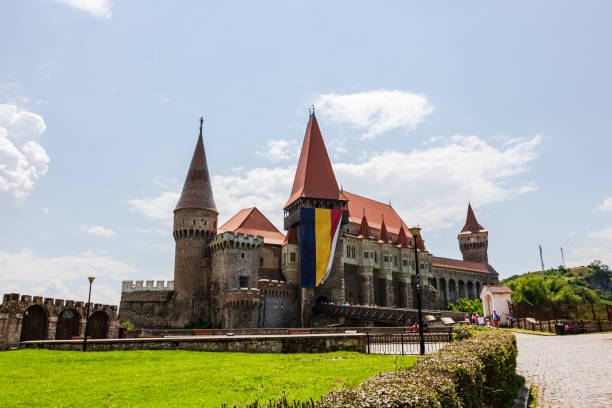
column 147, row 306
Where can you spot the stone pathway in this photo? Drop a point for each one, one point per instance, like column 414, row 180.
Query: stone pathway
column 569, row 371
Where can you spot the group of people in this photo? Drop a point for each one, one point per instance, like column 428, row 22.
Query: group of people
column 477, row 320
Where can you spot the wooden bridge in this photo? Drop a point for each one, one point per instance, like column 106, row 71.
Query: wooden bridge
column 386, row 315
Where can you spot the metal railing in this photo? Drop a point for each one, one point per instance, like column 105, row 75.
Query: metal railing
column 407, row 343
column 394, row 316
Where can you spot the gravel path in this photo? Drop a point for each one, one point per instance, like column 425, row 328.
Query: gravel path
column 569, row 371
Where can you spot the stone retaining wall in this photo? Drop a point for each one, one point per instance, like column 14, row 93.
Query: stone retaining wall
column 311, row 343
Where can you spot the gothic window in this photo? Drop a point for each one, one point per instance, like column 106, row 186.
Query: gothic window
column 244, row 281
column 353, row 251
column 292, row 257
column 386, row 258
column 365, row 255
column 348, row 251
column 260, row 261
column 404, row 262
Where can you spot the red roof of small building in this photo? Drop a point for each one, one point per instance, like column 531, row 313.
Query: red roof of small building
column 471, row 224
column 251, row 221
column 314, row 177
column 197, row 190
column 462, row 265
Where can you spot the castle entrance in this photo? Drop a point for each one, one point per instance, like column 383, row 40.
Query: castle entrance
column 34, row 325
column 68, row 325
column 98, row 325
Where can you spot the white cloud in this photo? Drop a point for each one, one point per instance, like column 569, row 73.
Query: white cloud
column 97, row 8
column 99, row 231
column 432, row 186
column 23, row 161
column 376, row 112
column 159, row 208
column 279, row 150
column 64, row 276
column 606, row 205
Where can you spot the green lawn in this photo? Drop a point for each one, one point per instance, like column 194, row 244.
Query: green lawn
column 41, row 378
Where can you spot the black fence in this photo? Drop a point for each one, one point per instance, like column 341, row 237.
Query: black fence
column 408, row 343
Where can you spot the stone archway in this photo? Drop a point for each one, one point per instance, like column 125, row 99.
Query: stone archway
column 461, row 293
column 478, row 289
column 470, row 290
column 68, row 325
column 34, row 324
column 452, row 291
column 98, row 325
column 443, row 294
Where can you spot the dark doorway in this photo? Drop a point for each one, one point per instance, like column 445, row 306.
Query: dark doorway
column 68, row 325
column 98, row 325
column 34, row 325
column 322, row 300
column 380, row 290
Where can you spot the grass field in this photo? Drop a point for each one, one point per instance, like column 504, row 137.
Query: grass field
column 43, row 378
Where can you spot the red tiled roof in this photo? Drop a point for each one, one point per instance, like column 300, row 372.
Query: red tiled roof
column 462, row 265
column 252, row 221
column 471, row 225
column 290, row 238
column 197, row 191
column 314, row 177
column 498, row 288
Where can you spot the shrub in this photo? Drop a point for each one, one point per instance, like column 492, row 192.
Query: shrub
column 476, row 372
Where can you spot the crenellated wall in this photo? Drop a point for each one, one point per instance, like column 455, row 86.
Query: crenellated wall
column 146, row 305
column 243, row 308
column 35, row 316
column 280, row 303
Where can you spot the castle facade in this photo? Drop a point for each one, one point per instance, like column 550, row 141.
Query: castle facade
column 246, row 273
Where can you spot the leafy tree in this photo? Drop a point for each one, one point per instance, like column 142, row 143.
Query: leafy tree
column 466, row 306
column 566, row 295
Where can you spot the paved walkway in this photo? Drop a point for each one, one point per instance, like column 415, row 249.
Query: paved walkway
column 569, row 371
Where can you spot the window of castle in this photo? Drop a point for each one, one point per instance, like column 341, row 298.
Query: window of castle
column 386, row 259
column 260, row 261
column 242, row 255
column 244, row 281
column 275, row 304
column 404, row 262
column 282, row 305
column 292, row 257
column 353, row 252
column 365, row 255
column 348, row 252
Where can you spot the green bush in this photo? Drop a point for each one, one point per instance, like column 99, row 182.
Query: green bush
column 477, row 372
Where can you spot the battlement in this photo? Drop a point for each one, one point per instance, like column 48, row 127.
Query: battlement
column 132, row 286
column 229, row 239
column 275, row 288
column 243, row 298
column 16, row 300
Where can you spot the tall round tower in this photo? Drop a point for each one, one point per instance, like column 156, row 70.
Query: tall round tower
column 195, row 223
column 474, row 239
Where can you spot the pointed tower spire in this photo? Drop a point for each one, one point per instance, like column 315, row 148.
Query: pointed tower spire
column 364, row 228
column 402, row 239
column 197, row 190
column 384, row 234
column 314, row 177
column 471, row 224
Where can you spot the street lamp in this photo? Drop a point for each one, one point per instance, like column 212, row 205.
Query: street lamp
column 415, row 231
column 90, row 279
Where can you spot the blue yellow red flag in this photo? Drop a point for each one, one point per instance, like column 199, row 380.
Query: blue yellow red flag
column 319, row 229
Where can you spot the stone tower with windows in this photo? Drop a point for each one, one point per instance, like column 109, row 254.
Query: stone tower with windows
column 474, row 240
column 315, row 186
column 195, row 225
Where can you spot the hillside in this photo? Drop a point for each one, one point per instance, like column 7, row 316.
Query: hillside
column 589, row 284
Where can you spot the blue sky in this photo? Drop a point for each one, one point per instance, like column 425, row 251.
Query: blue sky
column 427, row 105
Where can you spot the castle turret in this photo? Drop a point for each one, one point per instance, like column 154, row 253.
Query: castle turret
column 473, row 239
column 315, row 186
column 195, row 224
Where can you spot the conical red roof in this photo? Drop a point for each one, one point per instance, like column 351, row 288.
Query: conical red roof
column 384, row 235
column 314, row 177
column 402, row 239
column 197, row 190
column 471, row 225
column 364, row 229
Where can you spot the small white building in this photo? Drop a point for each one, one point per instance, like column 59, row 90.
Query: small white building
column 496, row 298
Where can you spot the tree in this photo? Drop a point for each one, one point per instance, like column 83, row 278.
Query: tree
column 466, row 306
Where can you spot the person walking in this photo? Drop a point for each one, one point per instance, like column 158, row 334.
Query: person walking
column 495, row 319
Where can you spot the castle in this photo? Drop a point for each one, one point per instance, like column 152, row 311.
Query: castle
column 246, row 273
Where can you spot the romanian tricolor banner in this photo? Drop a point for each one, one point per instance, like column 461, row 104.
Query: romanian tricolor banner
column 319, row 228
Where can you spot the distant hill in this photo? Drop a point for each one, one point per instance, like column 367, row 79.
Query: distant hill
column 581, row 284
